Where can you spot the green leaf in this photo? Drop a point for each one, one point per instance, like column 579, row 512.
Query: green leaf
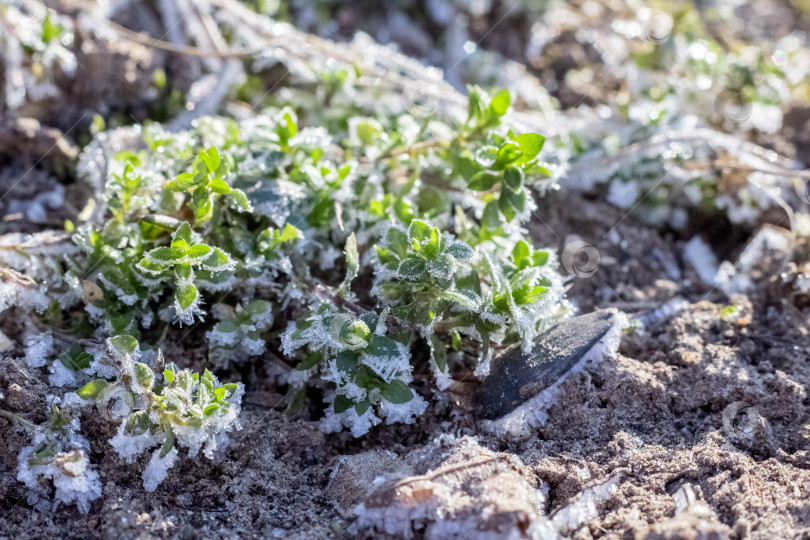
column 211, row 409
column 352, row 333
column 203, row 207
column 465, row 297
column 500, row 102
column 161, row 255
column 185, row 295
column 362, row 407
column 168, row 445
column 382, row 347
column 530, row 145
column 419, row 231
column 367, row 130
column 227, row 326
column 476, row 103
column 396, row 392
column 230, row 389
column 513, row 177
column 199, row 251
column 455, row 340
column 218, row 261
column 397, row 242
column 183, row 272
column 239, row 199
column 124, row 345
column 520, row 251
column 137, row 423
column 290, row 234
column 506, row 154
column 311, row 360
column 439, row 351
column 183, row 182
column 540, row 258
column 183, row 233
column 218, row 185
column 290, row 127
column 459, row 251
column 342, row 404
column 75, row 358
column 257, row 307
column 505, row 206
column 211, row 158
column 92, row 389
column 347, row 361
column 208, row 379
column 179, row 248
column 467, row 168
column 483, row 181
column 144, row 375
column 412, row 268
column 441, row 267
column 514, row 199
column 491, row 217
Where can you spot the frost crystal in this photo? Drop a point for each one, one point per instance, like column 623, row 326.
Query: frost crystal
column 38, row 347
column 158, row 469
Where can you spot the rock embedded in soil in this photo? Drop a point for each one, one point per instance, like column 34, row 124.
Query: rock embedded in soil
column 517, row 377
column 454, row 488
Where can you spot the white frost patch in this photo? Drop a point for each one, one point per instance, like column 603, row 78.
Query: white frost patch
column 534, row 413
column 38, row 347
column 357, row 424
column 60, row 375
column 130, row 446
column 702, row 259
column 405, row 413
column 389, row 367
column 158, row 469
column 584, row 508
column 623, row 194
column 72, row 475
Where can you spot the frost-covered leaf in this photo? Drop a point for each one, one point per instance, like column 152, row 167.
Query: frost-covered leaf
column 124, row 345
column 186, row 295
column 412, row 268
column 397, row 392
column 459, row 251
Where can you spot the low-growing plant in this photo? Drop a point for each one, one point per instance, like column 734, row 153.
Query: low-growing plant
column 177, row 409
column 428, row 215
column 346, row 249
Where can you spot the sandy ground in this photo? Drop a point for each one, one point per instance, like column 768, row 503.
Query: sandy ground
column 635, row 447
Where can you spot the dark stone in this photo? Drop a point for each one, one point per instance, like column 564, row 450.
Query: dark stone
column 516, row 377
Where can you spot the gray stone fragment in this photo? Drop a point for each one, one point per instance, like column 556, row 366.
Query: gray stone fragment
column 516, row 377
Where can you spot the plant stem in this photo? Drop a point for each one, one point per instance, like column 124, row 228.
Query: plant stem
column 17, row 419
